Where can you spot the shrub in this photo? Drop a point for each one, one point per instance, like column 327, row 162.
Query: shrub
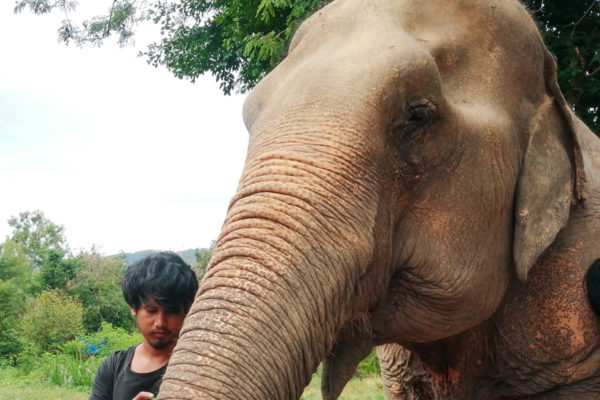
column 97, row 286
column 51, row 320
column 63, row 370
column 101, row 344
column 369, row 366
column 27, row 361
column 14, row 280
column 109, row 339
column 75, row 367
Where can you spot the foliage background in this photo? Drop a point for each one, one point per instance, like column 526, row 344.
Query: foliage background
column 61, row 313
column 572, row 31
column 51, row 319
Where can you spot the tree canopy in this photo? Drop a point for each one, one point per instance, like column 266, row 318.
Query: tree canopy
column 52, row 319
column 14, row 275
column 37, row 235
column 97, row 285
column 572, row 31
column 239, row 41
column 44, row 288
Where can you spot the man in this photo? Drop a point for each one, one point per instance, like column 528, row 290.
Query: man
column 159, row 290
column 592, row 278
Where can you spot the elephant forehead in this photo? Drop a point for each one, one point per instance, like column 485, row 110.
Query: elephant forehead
column 374, row 55
column 475, row 43
column 480, row 21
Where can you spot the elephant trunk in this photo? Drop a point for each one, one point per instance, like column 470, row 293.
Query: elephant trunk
column 284, row 275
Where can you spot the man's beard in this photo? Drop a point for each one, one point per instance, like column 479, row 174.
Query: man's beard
column 161, row 344
column 165, row 341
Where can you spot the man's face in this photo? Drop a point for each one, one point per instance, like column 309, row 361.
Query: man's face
column 158, row 324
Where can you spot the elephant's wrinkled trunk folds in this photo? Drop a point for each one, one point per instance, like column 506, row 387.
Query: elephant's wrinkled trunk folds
column 284, row 272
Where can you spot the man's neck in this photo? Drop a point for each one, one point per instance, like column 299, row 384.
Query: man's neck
column 147, row 358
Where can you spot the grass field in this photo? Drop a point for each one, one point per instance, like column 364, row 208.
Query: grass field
column 370, row 388
column 38, row 391
column 18, row 389
column 15, row 386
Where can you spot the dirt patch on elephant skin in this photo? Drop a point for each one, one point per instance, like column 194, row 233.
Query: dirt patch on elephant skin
column 561, row 310
column 548, row 321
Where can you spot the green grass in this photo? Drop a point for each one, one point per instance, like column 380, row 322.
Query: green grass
column 16, row 387
column 22, row 388
column 37, row 391
column 368, row 388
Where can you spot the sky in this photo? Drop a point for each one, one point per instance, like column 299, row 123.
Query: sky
column 123, row 155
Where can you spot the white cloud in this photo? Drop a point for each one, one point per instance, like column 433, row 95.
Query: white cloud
column 125, row 156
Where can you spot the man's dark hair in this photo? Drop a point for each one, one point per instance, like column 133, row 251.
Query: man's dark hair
column 164, row 277
column 592, row 280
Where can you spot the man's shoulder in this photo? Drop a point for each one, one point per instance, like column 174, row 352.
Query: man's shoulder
column 120, row 356
column 124, row 352
column 108, row 372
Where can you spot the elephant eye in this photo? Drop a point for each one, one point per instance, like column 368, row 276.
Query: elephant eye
column 420, row 115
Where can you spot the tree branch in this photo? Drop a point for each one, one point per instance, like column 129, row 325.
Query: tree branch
column 594, row 2
column 63, row 5
column 580, row 58
column 110, row 15
column 540, row 9
column 594, row 71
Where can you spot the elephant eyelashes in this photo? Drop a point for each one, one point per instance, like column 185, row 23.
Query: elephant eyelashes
column 418, row 116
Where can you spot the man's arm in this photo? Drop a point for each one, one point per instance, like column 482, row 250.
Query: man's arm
column 102, row 388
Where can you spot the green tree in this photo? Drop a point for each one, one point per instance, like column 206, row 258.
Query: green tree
column 572, row 30
column 51, row 320
column 14, row 264
column 15, row 271
column 239, row 41
column 202, row 258
column 38, row 235
column 97, row 286
column 57, row 271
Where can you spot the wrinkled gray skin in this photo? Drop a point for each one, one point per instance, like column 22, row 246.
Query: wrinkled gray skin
column 404, row 375
column 413, row 177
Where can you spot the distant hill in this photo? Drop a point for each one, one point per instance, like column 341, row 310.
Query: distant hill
column 189, row 255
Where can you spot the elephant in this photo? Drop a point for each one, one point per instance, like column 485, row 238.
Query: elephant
column 414, row 180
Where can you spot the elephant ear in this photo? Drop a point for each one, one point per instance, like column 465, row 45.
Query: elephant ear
column 551, row 177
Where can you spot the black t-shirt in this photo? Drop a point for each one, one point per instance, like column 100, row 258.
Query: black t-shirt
column 116, row 381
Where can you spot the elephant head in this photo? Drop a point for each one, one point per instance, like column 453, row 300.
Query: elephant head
column 408, row 163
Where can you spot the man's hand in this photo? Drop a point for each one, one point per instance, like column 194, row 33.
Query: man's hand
column 143, row 396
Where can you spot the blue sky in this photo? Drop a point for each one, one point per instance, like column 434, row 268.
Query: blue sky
column 123, row 155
